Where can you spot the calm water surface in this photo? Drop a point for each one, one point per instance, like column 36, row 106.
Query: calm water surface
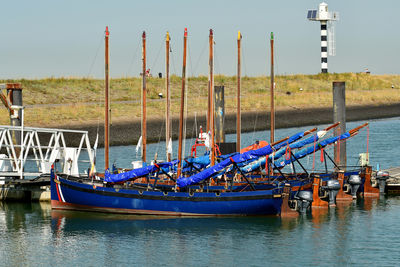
column 363, row 232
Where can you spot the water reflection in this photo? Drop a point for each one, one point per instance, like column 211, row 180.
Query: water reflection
column 36, row 234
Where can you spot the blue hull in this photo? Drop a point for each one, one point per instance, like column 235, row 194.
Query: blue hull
column 67, row 194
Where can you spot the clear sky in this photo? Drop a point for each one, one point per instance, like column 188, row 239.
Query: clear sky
column 61, row 38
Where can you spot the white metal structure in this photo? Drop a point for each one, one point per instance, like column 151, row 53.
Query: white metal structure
column 326, row 19
column 14, row 162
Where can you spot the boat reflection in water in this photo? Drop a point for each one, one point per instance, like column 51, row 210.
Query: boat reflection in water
column 68, row 222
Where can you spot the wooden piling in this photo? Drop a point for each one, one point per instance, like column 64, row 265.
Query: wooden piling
column 14, row 93
column 339, row 115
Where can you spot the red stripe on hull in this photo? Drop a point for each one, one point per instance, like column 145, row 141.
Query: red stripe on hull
column 58, row 192
column 69, row 206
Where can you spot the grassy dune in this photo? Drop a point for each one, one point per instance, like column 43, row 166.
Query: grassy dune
column 81, row 99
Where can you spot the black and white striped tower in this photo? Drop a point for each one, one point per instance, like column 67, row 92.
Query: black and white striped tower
column 327, row 32
column 324, row 46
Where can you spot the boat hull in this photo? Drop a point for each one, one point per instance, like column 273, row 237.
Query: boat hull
column 72, row 195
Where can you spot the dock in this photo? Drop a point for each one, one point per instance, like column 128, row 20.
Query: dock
column 33, row 190
column 393, row 183
column 25, row 165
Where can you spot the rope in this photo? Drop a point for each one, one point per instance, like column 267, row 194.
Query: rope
column 201, row 55
column 186, row 111
column 190, row 62
column 275, row 57
column 243, row 59
column 158, row 54
column 95, row 57
column 134, row 56
column 90, row 71
column 217, row 67
column 195, row 126
column 367, row 142
column 315, row 143
column 338, row 146
column 288, row 153
column 322, row 155
column 255, row 124
column 159, row 137
column 172, row 58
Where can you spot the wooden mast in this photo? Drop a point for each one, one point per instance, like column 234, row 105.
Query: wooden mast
column 272, row 90
column 181, row 117
column 211, row 95
column 107, row 104
column 144, row 132
column 238, row 115
column 168, row 102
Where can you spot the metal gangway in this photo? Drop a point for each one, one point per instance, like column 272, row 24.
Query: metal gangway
column 43, row 147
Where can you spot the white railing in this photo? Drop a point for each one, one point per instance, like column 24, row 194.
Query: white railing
column 32, row 148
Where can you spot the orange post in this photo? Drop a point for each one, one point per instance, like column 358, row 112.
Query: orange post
column 317, row 201
column 342, row 196
column 369, row 191
column 286, row 211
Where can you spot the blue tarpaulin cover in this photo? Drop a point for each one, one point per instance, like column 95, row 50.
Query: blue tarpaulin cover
column 209, row 172
column 135, row 173
column 199, row 162
column 309, row 150
column 260, row 163
column 239, row 159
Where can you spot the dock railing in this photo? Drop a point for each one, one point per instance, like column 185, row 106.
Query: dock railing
column 14, row 156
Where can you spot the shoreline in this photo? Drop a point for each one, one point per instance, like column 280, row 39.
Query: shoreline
column 128, row 133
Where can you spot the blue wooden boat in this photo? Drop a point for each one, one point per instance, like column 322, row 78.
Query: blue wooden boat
column 71, row 194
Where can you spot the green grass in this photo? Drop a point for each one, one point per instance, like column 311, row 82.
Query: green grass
column 361, row 89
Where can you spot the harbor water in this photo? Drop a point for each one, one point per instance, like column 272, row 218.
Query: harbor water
column 362, row 232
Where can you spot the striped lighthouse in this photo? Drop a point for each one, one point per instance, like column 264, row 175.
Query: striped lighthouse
column 324, row 46
column 327, row 32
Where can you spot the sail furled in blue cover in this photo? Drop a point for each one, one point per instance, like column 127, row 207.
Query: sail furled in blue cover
column 260, row 163
column 309, row 150
column 276, row 147
column 136, row 173
column 199, row 163
column 211, row 171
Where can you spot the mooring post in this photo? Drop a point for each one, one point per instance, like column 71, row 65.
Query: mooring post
column 219, row 113
column 14, row 91
column 339, row 115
